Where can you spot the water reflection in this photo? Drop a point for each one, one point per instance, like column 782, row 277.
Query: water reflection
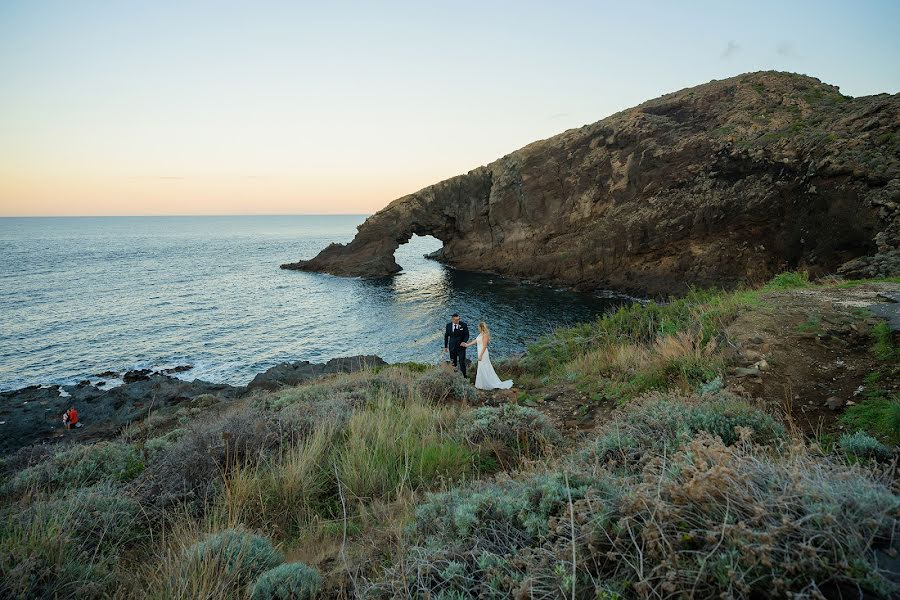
column 419, row 301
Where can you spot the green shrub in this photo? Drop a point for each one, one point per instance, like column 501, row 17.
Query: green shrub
column 520, row 429
column 440, row 384
column 239, row 555
column 290, row 581
column 80, row 465
column 68, row 546
column 788, row 281
column 863, row 445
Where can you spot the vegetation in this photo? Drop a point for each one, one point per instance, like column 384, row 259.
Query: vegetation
column 291, row 581
column 863, row 445
column 509, row 429
column 385, row 484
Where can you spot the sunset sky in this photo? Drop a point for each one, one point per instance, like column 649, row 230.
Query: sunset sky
column 114, row 108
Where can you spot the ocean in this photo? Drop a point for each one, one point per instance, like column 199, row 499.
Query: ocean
column 82, row 295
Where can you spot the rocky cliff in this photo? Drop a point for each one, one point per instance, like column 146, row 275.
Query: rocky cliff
column 724, row 183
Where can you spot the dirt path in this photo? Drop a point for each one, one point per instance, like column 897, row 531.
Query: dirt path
column 816, row 348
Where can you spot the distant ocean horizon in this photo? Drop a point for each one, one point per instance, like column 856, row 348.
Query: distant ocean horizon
column 84, row 294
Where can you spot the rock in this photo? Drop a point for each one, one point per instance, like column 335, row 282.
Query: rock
column 178, row 369
column 107, row 375
column 287, row 374
column 756, row 340
column 751, row 356
column 762, row 365
column 745, row 372
column 693, row 190
column 136, row 375
column 835, row 403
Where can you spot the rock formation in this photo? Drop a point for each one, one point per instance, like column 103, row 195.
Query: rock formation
column 724, row 183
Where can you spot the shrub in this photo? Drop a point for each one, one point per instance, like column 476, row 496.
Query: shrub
column 82, row 464
column 290, row 581
column 486, row 540
column 67, row 547
column 440, row 384
column 788, row 281
column 191, row 469
column 667, row 423
column 238, row 555
column 722, row 521
column 708, row 521
column 517, row 428
column 863, row 445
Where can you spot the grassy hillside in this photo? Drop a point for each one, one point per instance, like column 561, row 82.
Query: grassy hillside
column 405, row 482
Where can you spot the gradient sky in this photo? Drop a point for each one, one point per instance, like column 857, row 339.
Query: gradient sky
column 175, row 107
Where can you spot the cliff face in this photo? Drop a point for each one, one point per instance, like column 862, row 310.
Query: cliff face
column 727, row 182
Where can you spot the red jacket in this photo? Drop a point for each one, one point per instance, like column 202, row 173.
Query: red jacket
column 73, row 415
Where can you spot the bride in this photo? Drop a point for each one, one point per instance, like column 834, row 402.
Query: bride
column 486, row 378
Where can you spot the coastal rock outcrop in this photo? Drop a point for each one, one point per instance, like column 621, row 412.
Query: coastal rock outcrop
column 32, row 415
column 717, row 185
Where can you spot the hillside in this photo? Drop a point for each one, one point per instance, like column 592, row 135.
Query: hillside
column 728, row 182
column 726, row 444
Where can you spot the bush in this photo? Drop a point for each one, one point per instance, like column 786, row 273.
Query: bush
column 722, row 521
column 708, row 521
column 667, row 423
column 191, row 469
column 486, row 540
column 788, row 281
column 290, row 581
column 67, row 547
column 520, row 429
column 863, row 445
column 440, row 384
column 238, row 555
column 80, row 465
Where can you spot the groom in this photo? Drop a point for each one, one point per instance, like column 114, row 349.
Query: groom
column 455, row 334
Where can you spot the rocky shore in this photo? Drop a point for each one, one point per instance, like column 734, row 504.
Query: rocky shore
column 32, row 415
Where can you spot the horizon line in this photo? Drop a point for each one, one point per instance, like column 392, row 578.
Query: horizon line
column 188, row 215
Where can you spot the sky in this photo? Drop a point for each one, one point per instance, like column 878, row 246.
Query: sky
column 179, row 107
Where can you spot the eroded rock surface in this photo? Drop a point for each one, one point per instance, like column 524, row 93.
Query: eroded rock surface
column 716, row 185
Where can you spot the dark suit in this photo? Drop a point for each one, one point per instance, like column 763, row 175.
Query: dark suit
column 452, row 340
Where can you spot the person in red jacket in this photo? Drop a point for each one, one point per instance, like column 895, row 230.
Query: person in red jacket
column 70, row 417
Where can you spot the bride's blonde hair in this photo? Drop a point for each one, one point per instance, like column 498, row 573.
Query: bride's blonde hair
column 483, row 328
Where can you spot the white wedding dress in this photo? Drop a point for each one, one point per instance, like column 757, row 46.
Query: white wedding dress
column 486, row 378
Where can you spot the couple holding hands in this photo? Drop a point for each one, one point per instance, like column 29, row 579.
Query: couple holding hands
column 456, row 340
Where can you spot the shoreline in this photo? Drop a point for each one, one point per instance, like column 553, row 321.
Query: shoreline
column 32, row 414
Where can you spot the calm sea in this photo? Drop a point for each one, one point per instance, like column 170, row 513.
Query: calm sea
column 80, row 295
